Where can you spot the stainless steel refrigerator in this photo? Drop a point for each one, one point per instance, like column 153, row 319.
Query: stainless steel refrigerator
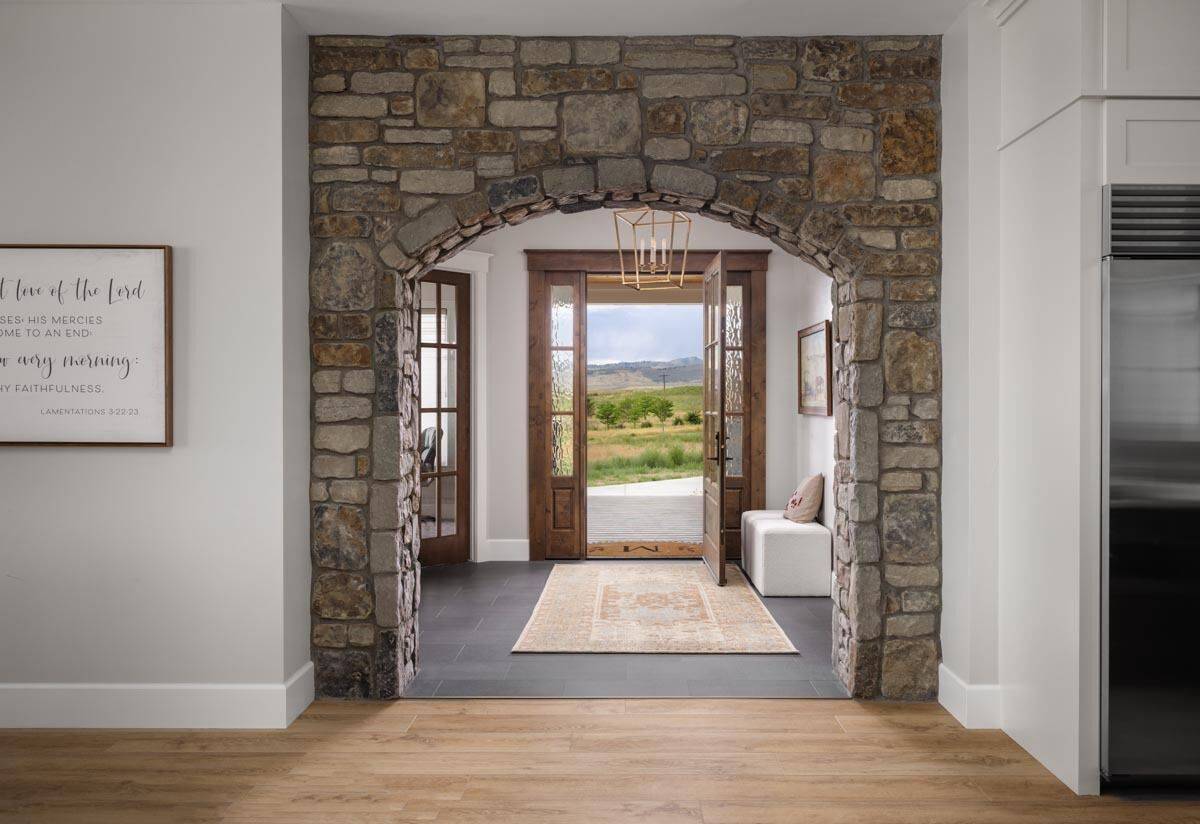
column 1150, row 694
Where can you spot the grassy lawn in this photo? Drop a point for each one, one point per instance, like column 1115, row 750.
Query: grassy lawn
column 635, row 453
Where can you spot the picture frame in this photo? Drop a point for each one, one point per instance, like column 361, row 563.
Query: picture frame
column 814, row 369
column 86, row 350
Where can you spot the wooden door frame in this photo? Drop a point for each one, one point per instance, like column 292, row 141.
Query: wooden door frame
column 464, row 459
column 750, row 263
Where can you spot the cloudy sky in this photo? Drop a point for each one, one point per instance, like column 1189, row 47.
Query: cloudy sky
column 633, row 333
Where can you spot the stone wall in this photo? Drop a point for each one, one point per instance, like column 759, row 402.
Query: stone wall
column 827, row 145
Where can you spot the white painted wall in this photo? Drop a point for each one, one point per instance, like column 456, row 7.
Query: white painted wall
column 971, row 390
column 797, row 295
column 166, row 587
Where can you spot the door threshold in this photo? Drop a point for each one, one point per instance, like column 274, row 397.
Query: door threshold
column 645, row 549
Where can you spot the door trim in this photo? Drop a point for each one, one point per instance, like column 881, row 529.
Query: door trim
column 748, row 263
column 460, row 549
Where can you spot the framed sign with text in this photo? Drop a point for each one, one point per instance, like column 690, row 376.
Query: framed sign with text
column 85, row 345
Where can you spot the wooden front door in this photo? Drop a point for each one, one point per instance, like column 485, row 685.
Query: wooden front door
column 713, row 394
column 557, row 415
column 444, row 435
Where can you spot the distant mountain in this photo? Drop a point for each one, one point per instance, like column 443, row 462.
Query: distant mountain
column 607, row 377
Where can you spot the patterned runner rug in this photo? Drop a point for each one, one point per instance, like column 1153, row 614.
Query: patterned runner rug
column 643, row 606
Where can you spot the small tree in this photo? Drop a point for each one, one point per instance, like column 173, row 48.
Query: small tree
column 694, row 417
column 608, row 414
column 634, row 407
column 662, row 408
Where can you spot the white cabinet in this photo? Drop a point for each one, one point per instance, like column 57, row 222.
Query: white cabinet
column 1150, row 46
column 1152, row 141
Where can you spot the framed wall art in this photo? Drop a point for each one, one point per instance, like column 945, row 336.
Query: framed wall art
column 85, row 345
column 815, row 367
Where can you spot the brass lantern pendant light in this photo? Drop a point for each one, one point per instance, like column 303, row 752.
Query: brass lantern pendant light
column 646, row 244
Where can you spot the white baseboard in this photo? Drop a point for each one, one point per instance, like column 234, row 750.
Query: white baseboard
column 976, row 706
column 165, row 706
column 513, row 549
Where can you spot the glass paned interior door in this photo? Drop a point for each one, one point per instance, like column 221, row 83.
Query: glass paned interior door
column 439, row 435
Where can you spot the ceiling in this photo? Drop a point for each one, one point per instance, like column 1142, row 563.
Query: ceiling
column 629, row 17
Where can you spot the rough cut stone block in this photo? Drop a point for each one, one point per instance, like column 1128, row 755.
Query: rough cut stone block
column 411, row 156
column 329, row 83
column 910, row 528
column 665, row 118
column 883, row 95
column 877, row 238
column 349, row 492
column 781, row 131
column 335, row 156
column 344, row 438
column 333, row 466
column 365, row 197
column 764, row 48
column 423, row 58
column 908, row 142
column 910, row 626
column 601, row 124
column 901, row 482
column 333, row 410
column 902, row 575
column 865, row 600
column 847, row 138
column 344, row 596
column 502, row 84
column 779, row 105
column 910, row 669
column 682, row 180
column 621, row 175
column 926, row 408
column 345, row 131
column 911, row 363
column 329, row 635
column 489, row 166
column 450, row 98
column 597, row 52
column 429, row 181
column 667, row 148
column 860, row 501
column 385, row 552
column 919, row 601
column 381, row 82
column 903, row 67
column 348, row 105
column 343, row 276
column 416, row 136
column 339, row 537
column 343, row 673
column 866, row 384
column 327, row 381
column 385, row 506
column 899, row 214
column 519, row 191
column 771, row 77
column 913, row 316
column 781, row 211
column 720, row 122
column 415, row 235
column 523, row 113
column 471, row 209
column 385, row 448
column 481, row 61
column 863, row 325
column 692, row 85
column 841, row 178
column 913, row 189
column 831, row 58
column 909, row 457
column 657, row 58
column 387, row 600
column 497, row 45
column 864, row 444
column 539, row 82
column 360, row 635
column 545, row 52
column 773, row 159
column 737, row 197
column 894, row 44
column 571, row 180
column 360, row 381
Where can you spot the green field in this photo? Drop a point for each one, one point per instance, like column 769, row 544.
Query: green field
column 629, row 452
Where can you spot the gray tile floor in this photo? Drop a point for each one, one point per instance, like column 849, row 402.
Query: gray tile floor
column 472, row 614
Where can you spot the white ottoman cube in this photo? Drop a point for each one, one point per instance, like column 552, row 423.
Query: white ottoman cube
column 783, row 557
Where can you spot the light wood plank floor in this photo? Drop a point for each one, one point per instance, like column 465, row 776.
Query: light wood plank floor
column 530, row 761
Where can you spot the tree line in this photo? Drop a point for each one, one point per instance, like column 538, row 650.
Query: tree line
column 634, row 408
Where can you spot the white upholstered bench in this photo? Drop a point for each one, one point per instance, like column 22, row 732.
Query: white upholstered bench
column 782, row 557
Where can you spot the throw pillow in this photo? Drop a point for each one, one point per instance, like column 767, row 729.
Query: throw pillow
column 806, row 500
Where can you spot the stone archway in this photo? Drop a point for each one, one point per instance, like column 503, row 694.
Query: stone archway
column 827, row 145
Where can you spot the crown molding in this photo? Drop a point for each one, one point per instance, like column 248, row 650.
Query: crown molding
column 1002, row 10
